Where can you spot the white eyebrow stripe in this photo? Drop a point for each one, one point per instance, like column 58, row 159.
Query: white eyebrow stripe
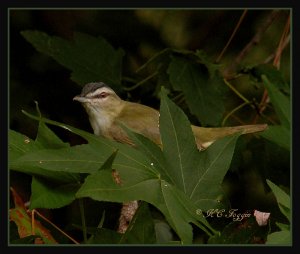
column 100, row 90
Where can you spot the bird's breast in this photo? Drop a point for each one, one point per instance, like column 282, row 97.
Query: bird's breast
column 101, row 125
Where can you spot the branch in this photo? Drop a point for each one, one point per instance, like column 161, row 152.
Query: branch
column 254, row 41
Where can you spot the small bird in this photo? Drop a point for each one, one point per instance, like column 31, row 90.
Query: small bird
column 107, row 111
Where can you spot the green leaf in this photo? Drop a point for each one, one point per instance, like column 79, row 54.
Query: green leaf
column 163, row 232
column 51, row 195
column 278, row 134
column 146, row 174
column 179, row 146
column 153, row 153
column 105, row 236
column 282, row 198
column 176, row 196
column 101, row 186
column 281, row 237
column 141, row 228
column 198, row 174
column 280, row 101
column 283, row 226
column 80, row 159
column 89, row 58
column 211, row 67
column 47, row 138
column 21, row 146
column 274, row 75
column 109, row 162
column 173, row 203
column 212, row 167
column 201, row 92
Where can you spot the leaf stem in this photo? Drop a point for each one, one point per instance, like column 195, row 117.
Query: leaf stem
column 141, row 82
column 236, row 92
column 233, row 111
column 81, row 207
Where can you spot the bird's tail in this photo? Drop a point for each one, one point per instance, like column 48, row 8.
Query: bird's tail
column 206, row 136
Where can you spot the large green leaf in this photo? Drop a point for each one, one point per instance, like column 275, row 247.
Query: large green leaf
column 176, row 180
column 49, row 194
column 282, row 198
column 48, row 139
column 179, row 147
column 20, row 146
column 141, row 228
column 200, row 90
column 278, row 134
column 210, row 171
column 175, row 206
column 198, row 174
column 284, row 203
column 280, row 101
column 280, row 238
column 89, row 58
column 54, row 189
column 273, row 74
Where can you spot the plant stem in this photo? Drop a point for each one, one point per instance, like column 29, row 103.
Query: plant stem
column 233, row 111
column 56, row 227
column 254, row 41
column 81, row 207
column 141, row 82
column 236, row 92
column 232, row 35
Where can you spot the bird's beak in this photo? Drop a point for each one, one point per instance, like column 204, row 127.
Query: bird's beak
column 80, row 99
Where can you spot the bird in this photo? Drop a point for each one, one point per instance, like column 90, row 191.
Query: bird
column 108, row 112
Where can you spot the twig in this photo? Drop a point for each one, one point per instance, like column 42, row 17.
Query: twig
column 276, row 63
column 53, row 225
column 254, row 41
column 141, row 82
column 271, row 57
column 232, row 35
column 279, row 50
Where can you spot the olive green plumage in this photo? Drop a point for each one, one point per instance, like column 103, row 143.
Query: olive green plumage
column 107, row 111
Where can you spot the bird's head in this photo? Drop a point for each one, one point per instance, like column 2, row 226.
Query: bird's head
column 99, row 100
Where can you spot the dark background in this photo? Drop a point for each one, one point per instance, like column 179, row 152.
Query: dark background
column 141, row 33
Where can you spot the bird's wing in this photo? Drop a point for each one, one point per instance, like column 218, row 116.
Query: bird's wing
column 141, row 119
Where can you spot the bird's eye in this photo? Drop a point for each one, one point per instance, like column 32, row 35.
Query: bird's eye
column 102, row 95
